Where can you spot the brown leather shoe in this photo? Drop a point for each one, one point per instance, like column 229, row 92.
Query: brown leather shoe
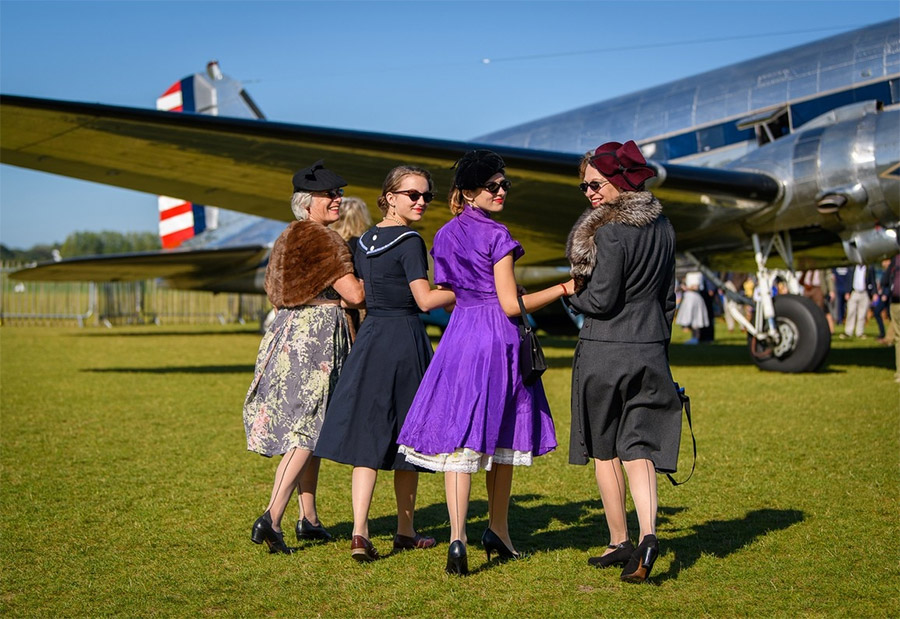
column 362, row 549
column 404, row 542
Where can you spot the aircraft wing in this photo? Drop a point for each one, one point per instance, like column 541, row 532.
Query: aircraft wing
column 246, row 166
column 219, row 270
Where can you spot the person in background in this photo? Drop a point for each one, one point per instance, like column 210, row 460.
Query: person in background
column 843, row 284
column 692, row 312
column 387, row 361
column 884, row 300
column 894, row 295
column 473, row 411
column 355, row 220
column 626, row 410
column 815, row 283
column 858, row 297
column 309, row 277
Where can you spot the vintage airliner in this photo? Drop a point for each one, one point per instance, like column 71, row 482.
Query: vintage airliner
column 794, row 154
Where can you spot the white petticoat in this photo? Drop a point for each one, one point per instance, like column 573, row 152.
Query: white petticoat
column 466, row 460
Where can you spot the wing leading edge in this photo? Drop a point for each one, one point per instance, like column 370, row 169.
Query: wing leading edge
column 233, row 269
column 245, row 165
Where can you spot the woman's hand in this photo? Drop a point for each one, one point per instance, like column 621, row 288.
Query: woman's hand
column 351, row 290
column 427, row 298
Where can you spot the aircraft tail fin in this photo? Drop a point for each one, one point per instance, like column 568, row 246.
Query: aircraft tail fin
column 211, row 93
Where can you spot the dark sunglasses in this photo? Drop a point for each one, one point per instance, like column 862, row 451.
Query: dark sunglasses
column 594, row 186
column 495, row 188
column 414, row 195
column 332, row 193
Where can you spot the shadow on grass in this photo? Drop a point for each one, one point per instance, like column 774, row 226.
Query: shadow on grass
column 723, row 537
column 151, row 333
column 178, row 369
column 583, row 529
column 880, row 357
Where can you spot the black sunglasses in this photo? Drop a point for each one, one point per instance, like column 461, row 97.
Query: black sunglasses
column 594, row 185
column 494, row 188
column 332, row 193
column 414, row 195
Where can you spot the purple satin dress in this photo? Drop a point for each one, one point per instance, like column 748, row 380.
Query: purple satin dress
column 472, row 409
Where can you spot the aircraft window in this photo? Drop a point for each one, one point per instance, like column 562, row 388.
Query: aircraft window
column 722, row 135
column 773, row 129
column 804, row 112
column 681, row 145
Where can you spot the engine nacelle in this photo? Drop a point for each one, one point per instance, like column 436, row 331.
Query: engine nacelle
column 870, row 246
column 839, row 171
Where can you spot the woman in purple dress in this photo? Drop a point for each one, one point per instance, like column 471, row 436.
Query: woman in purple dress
column 472, row 411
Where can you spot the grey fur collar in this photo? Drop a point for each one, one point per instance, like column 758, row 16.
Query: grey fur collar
column 631, row 208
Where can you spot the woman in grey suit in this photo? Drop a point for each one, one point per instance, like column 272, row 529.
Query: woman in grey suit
column 626, row 411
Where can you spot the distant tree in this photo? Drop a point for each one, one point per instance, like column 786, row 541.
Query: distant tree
column 107, row 242
column 38, row 253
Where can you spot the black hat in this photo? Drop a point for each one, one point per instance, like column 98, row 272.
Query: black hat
column 317, row 178
column 476, row 167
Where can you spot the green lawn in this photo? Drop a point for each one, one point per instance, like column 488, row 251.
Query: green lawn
column 127, row 490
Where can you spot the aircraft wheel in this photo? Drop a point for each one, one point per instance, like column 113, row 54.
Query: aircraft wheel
column 805, row 338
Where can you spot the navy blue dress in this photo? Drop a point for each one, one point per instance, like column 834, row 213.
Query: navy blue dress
column 388, row 359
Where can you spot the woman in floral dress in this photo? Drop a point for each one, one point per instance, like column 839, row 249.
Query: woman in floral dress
column 309, row 277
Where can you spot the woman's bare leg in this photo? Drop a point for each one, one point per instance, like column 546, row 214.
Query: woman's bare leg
column 457, row 486
column 363, row 488
column 499, row 488
column 642, row 483
column 611, row 483
column 406, row 483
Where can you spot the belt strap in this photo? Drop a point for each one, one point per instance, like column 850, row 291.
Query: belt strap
column 686, row 403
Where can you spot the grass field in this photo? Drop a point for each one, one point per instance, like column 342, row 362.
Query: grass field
column 127, row 491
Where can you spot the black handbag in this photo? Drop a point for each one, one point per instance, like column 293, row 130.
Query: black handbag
column 531, row 356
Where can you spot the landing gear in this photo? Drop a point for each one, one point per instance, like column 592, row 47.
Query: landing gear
column 789, row 332
column 803, row 338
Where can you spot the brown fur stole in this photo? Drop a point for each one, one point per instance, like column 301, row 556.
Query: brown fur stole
column 632, row 208
column 306, row 259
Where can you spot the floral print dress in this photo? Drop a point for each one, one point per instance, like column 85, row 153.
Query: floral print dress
column 297, row 367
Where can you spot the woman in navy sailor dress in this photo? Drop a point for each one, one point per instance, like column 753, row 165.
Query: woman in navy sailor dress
column 387, row 361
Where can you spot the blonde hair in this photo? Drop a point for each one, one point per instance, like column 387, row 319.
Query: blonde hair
column 585, row 162
column 392, row 182
column 456, row 200
column 355, row 218
column 300, row 203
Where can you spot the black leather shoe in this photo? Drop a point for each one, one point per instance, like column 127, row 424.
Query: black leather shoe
column 305, row 530
column 637, row 570
column 263, row 532
column 618, row 557
column 457, row 560
column 261, row 528
column 492, row 543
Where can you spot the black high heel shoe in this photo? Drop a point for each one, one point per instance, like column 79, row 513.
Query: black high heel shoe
column 492, row 543
column 457, row 560
column 263, row 532
column 306, row 530
column 637, row 570
column 618, row 557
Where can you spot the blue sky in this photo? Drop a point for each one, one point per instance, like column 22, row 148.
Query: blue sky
column 398, row 67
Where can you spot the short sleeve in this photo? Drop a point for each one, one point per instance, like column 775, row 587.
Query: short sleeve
column 411, row 255
column 503, row 243
column 359, row 256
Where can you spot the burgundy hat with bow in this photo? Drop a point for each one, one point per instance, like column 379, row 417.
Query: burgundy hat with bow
column 623, row 165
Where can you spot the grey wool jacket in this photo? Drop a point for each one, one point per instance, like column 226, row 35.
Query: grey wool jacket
column 623, row 260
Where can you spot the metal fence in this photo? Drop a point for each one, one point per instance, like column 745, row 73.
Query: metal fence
column 119, row 303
